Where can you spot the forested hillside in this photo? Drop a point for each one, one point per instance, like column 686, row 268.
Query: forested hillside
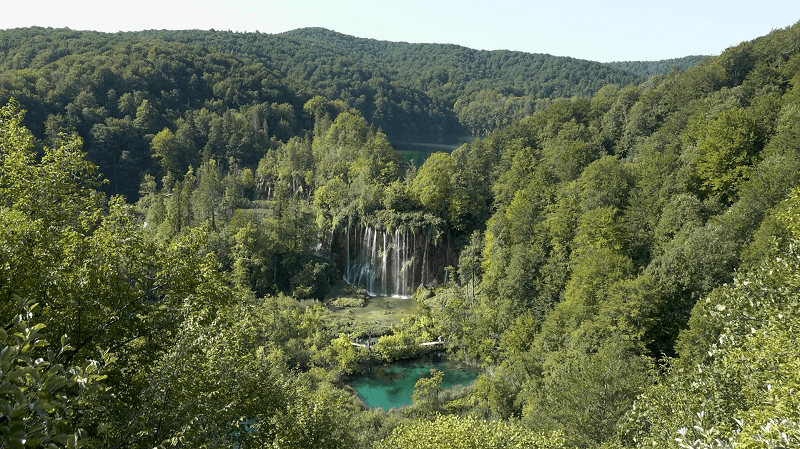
column 626, row 272
column 653, row 68
column 431, row 67
column 234, row 95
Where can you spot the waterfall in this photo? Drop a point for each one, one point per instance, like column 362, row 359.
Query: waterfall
column 384, row 267
column 391, row 263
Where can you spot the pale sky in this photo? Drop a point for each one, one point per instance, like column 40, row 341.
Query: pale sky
column 611, row 30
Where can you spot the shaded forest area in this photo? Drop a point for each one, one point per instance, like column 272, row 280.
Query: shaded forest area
column 628, row 268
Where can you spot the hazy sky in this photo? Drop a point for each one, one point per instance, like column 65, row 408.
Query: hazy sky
column 611, row 30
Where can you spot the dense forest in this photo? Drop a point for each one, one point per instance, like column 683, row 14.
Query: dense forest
column 236, row 95
column 623, row 254
column 653, row 68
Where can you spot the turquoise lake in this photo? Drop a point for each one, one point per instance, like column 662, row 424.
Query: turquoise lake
column 391, row 385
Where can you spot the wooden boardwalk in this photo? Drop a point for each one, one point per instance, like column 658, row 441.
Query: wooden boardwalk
column 427, row 343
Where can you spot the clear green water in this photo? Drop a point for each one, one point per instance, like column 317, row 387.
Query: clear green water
column 392, row 385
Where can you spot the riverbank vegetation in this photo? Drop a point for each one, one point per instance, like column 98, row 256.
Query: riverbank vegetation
column 627, row 268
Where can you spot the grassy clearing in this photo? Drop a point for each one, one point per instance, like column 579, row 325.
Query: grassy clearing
column 375, row 317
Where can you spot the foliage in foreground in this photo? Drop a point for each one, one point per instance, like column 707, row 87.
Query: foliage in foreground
column 198, row 361
column 39, row 396
column 453, row 432
column 743, row 390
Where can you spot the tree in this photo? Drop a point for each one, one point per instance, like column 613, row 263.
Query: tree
column 206, row 198
column 426, row 391
column 342, row 355
column 377, row 161
column 167, row 149
column 437, row 193
column 336, row 147
column 604, row 182
column 725, row 151
column 175, row 151
column 117, row 145
column 469, row 261
column 571, row 150
column 146, row 117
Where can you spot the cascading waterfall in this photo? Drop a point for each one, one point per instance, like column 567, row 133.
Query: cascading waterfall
column 384, row 269
column 391, row 263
